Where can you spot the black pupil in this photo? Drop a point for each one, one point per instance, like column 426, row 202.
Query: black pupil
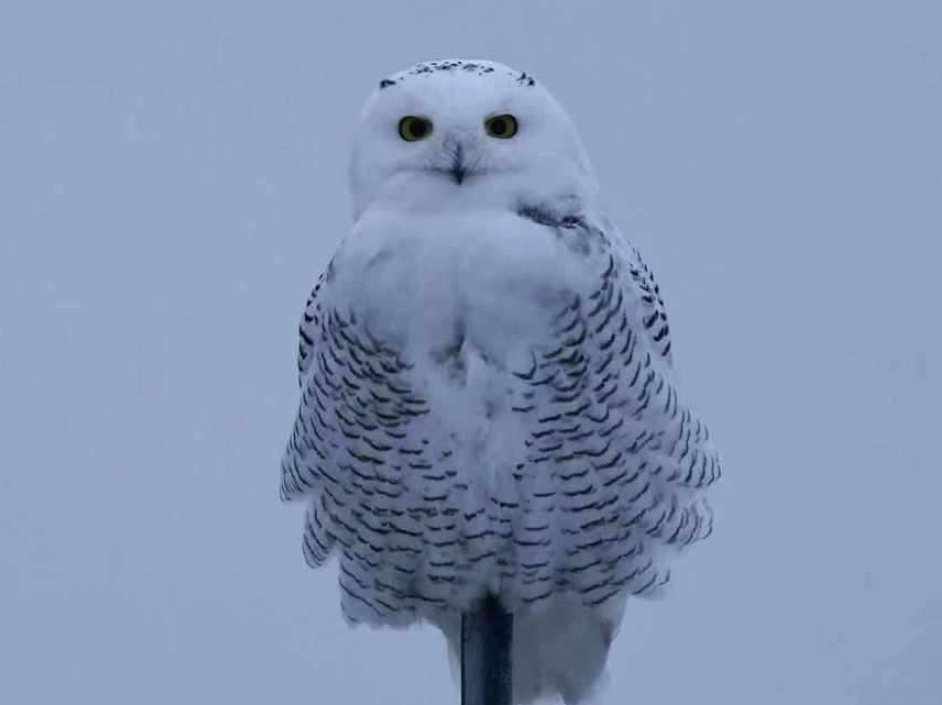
column 499, row 126
column 417, row 128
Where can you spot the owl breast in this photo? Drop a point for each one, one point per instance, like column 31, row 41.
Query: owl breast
column 487, row 282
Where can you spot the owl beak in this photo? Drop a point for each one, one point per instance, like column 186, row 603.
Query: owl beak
column 458, row 170
column 457, row 165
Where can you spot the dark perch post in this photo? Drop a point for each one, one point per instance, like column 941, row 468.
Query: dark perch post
column 486, row 644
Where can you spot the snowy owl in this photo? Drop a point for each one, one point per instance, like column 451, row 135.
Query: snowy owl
column 488, row 404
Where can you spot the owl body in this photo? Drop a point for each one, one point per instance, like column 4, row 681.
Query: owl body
column 488, row 403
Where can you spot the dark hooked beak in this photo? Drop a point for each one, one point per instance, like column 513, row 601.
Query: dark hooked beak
column 458, row 168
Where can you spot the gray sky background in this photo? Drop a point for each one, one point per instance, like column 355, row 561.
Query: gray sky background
column 172, row 180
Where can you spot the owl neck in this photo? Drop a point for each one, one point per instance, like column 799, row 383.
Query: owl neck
column 431, row 192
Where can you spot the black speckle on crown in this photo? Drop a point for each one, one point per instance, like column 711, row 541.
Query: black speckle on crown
column 438, row 66
column 524, row 80
column 433, row 67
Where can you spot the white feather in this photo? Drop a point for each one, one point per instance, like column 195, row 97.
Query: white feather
column 488, row 402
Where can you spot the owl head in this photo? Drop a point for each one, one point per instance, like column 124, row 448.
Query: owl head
column 462, row 134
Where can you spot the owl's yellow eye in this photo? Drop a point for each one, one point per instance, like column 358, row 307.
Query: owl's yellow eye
column 502, row 127
column 413, row 128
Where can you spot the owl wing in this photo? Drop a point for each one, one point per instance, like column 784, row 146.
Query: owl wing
column 307, row 330
column 645, row 287
column 616, row 463
column 655, row 321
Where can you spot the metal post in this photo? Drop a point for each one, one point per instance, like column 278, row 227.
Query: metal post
column 486, row 645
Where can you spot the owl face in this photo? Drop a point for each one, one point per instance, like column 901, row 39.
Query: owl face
column 451, row 132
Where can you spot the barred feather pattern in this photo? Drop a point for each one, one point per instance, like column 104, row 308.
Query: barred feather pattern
column 606, row 485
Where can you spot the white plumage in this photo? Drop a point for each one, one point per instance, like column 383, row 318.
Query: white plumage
column 488, row 402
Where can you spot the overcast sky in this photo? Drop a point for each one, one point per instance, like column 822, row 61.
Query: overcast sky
column 173, row 179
